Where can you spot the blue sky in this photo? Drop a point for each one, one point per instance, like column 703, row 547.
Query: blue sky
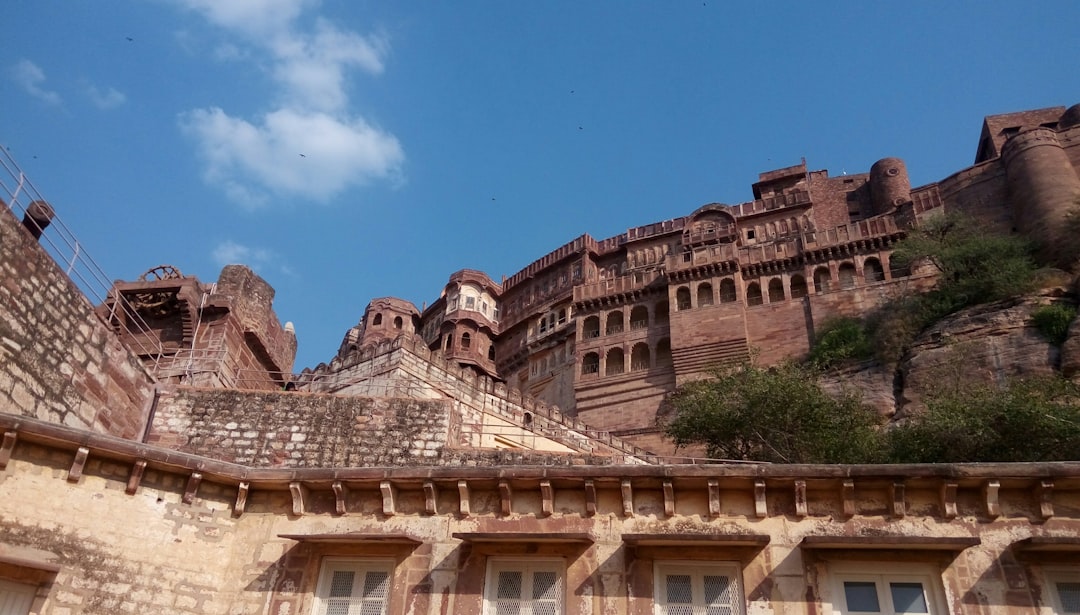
column 352, row 149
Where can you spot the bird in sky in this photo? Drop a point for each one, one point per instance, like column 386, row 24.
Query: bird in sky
column 129, row 39
column 303, row 156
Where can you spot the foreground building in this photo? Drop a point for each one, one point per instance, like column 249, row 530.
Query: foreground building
column 495, row 452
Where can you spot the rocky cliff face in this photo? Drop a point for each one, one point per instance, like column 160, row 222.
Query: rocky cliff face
column 989, row 343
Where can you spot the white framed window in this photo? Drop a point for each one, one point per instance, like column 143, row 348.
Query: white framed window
column 1063, row 587
column 16, row 598
column 698, row 588
column 903, row 589
column 353, row 586
column 524, row 587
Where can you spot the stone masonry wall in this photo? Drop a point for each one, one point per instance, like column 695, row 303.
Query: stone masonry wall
column 301, row 429
column 58, row 360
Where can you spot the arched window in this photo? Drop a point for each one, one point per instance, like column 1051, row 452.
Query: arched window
column 663, row 352
column 590, row 363
column 639, row 357
column 377, row 321
column 704, row 294
column 798, row 286
column 776, row 290
column 753, row 294
column 397, row 322
column 662, row 311
column 822, row 280
column 727, row 290
column 847, row 275
column 491, row 352
column 449, row 341
column 590, row 327
column 616, row 362
column 899, row 271
column 639, row 317
column 466, row 341
column 682, row 298
column 614, row 323
column 873, row 271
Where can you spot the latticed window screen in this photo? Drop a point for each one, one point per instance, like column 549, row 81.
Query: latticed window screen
column 698, row 589
column 351, row 587
column 525, row 588
column 1069, row 595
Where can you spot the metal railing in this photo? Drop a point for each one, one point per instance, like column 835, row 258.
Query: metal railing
column 60, row 243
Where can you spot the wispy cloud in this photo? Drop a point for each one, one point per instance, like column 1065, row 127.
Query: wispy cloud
column 310, row 146
column 30, row 77
column 109, row 98
column 229, row 252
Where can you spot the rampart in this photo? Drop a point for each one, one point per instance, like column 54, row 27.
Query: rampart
column 61, row 362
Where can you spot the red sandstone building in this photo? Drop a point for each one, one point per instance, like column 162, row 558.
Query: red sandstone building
column 494, row 452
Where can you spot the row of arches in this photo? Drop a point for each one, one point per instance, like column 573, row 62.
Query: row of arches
column 616, row 360
column 465, row 344
column 616, row 321
column 847, row 276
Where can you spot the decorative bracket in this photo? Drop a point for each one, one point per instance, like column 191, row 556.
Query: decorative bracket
column 800, row 498
column 341, row 497
column 300, row 495
column 669, row 498
column 847, row 494
column 10, row 437
column 77, row 465
column 590, row 497
column 896, row 498
column 506, row 496
column 1045, row 493
column 389, row 497
column 627, row 498
column 761, row 508
column 241, row 497
column 990, row 495
column 431, row 498
column 547, row 498
column 714, row 498
column 948, row 499
column 135, row 478
column 192, row 487
column 463, row 497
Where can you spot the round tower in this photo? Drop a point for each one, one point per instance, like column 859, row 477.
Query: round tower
column 384, row 319
column 889, row 185
column 1043, row 188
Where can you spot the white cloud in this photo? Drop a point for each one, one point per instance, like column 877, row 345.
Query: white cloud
column 31, row 77
column 310, row 146
column 229, row 252
column 307, row 154
column 108, row 98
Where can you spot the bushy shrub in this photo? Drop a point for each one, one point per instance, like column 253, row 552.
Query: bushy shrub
column 839, row 340
column 1052, row 321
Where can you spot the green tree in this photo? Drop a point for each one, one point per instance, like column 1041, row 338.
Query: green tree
column 1028, row 420
column 779, row 414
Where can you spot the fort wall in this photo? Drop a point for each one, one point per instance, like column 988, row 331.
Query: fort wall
column 61, row 363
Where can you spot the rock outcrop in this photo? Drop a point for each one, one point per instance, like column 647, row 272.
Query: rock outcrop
column 990, row 343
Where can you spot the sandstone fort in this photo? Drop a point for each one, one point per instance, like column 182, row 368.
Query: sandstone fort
column 497, row 449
